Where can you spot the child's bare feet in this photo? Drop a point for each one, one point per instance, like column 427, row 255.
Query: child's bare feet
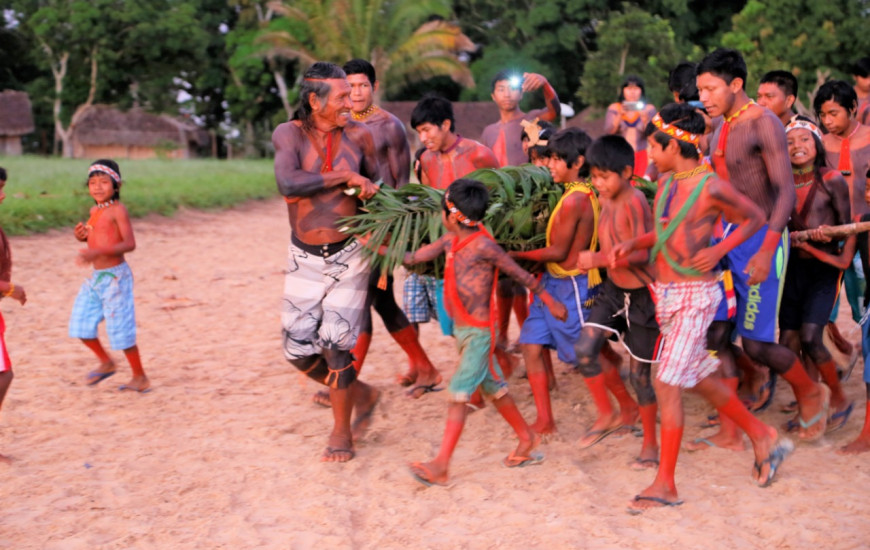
column 139, row 384
column 104, row 371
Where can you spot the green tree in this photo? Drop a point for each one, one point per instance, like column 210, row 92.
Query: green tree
column 553, row 37
column 405, row 41
column 811, row 39
column 630, row 41
column 111, row 51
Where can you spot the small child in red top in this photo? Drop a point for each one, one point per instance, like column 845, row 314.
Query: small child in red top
column 470, row 276
column 7, row 290
column 108, row 293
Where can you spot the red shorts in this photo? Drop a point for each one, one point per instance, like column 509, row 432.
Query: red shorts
column 5, row 362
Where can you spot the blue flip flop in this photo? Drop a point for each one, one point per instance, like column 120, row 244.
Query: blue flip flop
column 774, row 459
column 770, row 387
column 95, row 377
column 839, row 419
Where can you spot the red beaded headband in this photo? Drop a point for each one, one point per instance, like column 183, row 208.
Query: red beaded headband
column 676, row 133
column 462, row 218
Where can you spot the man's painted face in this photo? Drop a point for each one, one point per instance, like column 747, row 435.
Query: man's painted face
column 801, row 147
column 361, row 92
column 716, row 94
column 835, row 118
column 771, row 96
column 434, row 136
column 336, row 108
column 506, row 97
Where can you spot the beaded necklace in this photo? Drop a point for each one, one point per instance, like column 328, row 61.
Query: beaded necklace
column 365, row 114
column 101, row 206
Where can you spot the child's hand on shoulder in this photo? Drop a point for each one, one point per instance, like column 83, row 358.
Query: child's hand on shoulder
column 81, row 231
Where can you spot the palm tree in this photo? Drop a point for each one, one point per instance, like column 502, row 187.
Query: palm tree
column 406, row 40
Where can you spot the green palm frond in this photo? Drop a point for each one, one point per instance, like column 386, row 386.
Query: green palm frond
column 521, row 200
column 394, row 36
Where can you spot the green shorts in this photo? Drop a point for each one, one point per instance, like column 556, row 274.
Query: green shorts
column 474, row 366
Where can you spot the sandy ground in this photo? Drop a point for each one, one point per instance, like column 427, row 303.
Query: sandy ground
column 224, row 452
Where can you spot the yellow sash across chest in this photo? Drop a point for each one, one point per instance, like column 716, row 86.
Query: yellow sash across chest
column 585, row 187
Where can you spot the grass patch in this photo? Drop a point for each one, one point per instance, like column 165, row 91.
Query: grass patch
column 47, row 193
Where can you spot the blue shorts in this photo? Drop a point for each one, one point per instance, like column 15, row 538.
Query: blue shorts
column 107, row 294
column 474, row 368
column 543, row 329
column 758, row 305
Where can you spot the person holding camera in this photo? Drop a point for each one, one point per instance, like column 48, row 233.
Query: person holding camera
column 505, row 136
column 628, row 117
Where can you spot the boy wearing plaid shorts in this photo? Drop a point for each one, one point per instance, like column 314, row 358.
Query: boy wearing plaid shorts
column 108, row 292
column 687, row 206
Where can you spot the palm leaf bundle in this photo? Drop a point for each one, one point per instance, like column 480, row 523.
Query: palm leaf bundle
column 403, row 220
column 521, row 199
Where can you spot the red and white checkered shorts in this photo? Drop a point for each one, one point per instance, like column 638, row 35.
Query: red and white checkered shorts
column 685, row 311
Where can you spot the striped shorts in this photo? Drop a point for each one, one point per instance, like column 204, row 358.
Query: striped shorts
column 685, row 311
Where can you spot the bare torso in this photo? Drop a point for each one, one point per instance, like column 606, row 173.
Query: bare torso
column 859, row 147
column 756, row 156
column 391, row 144
column 314, row 208
column 626, row 217
column 827, row 205
column 440, row 169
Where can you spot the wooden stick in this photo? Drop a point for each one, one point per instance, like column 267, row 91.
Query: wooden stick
column 834, row 231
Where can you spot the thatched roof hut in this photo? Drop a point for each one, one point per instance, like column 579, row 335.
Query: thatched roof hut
column 102, row 131
column 16, row 120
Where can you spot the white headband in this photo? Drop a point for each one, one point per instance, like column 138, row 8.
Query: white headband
column 803, row 125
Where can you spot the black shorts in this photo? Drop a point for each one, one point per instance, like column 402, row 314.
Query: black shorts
column 809, row 292
column 638, row 324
